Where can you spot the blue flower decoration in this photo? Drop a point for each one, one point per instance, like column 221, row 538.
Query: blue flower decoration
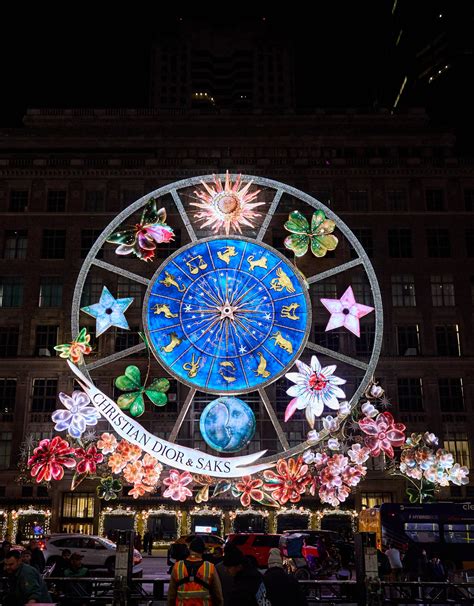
column 77, row 416
column 108, row 311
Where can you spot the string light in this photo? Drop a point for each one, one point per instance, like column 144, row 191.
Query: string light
column 31, row 511
column 118, row 511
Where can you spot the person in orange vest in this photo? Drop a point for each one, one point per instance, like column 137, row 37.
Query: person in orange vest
column 195, row 582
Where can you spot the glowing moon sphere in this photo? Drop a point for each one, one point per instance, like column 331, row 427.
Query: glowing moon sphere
column 227, row 424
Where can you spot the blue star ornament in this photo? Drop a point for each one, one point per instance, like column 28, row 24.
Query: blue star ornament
column 108, row 312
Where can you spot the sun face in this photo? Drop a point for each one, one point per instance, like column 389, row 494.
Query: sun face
column 226, row 206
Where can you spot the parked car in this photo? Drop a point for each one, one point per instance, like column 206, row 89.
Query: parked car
column 214, row 546
column 97, row 552
column 255, row 545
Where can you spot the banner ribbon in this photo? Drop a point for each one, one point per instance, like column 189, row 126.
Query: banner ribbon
column 173, row 455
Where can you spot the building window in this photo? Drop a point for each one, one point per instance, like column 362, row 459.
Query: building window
column 397, row 199
column 374, row 499
column 51, row 292
column 410, row 394
column 54, row 244
column 403, row 291
column 438, row 243
column 434, row 199
column 408, row 340
column 46, row 339
column 78, row 505
column 399, row 243
column 359, row 200
column 451, row 395
column 88, row 238
column 327, row 289
column 365, row 344
column 126, row 338
column 91, row 291
column 44, row 395
column 442, row 291
column 11, row 292
column 18, row 201
column 469, row 199
column 9, row 336
column 128, row 288
column 5, row 449
column 362, row 290
column 16, row 242
column 7, row 398
column 366, row 240
column 329, row 339
column 128, row 196
column 447, row 340
column 458, row 445
column 95, row 201
column 470, row 242
column 56, row 202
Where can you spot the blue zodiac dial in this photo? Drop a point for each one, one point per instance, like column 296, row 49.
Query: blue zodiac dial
column 227, row 315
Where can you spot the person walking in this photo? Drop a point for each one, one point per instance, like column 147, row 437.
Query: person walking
column 194, row 581
column 25, row 583
column 249, row 588
column 282, row 588
column 37, row 556
column 393, row 555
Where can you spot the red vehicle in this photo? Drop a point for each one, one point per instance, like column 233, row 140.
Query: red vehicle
column 255, row 545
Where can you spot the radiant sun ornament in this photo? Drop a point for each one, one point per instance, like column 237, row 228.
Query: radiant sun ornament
column 228, row 206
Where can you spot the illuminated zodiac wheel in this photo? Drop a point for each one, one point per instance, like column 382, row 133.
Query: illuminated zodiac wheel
column 228, row 314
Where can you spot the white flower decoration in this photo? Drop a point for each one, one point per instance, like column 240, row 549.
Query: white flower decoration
column 331, row 424
column 358, row 454
column 333, row 444
column 77, row 416
column 315, row 387
column 369, row 410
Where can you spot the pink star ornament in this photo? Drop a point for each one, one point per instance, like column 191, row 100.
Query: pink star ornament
column 346, row 312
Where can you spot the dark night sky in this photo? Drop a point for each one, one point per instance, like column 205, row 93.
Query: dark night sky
column 88, row 58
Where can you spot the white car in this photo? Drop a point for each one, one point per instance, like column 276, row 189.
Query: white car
column 96, row 551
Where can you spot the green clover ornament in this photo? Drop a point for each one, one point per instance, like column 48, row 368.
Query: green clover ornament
column 133, row 400
column 319, row 235
column 109, row 488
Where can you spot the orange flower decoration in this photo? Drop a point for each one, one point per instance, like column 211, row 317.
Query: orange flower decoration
column 289, row 482
column 107, row 443
column 116, row 462
column 133, row 472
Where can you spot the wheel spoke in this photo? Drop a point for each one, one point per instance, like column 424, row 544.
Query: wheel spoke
column 269, row 215
column 274, row 419
column 121, row 272
column 337, row 356
column 182, row 414
column 184, row 215
column 116, row 356
column 334, row 271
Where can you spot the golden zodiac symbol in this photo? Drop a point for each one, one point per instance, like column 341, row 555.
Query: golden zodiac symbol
column 281, row 282
column 232, row 370
column 195, row 267
column 163, row 309
column 282, row 342
column 262, row 367
column 192, row 368
column 170, row 281
column 226, row 253
column 174, row 342
column 288, row 311
column 262, row 262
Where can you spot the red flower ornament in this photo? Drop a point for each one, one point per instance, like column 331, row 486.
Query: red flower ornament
column 49, row 459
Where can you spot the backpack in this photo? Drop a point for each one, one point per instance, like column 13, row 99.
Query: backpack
column 193, row 583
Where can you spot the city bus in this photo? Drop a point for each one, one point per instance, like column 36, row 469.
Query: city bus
column 443, row 529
